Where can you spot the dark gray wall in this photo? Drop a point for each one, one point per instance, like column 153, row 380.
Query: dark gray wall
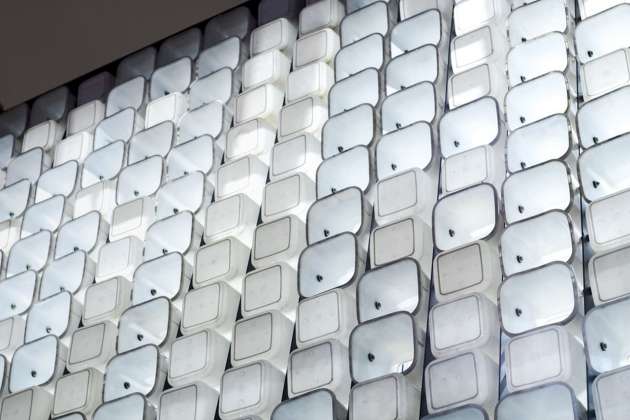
column 47, row 43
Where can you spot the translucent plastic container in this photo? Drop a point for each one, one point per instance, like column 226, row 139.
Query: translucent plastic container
column 119, row 126
column 13, row 121
column 356, row 167
column 534, row 20
column 321, row 45
column 298, row 154
column 140, row 179
column 174, row 77
column 271, row 66
column 130, row 407
column 132, row 218
column 263, row 102
column 546, row 355
column 540, row 240
column 470, row 126
column 606, row 345
column 225, row 260
column 539, row 189
column 540, row 142
column 314, row 79
column 179, row 232
column 52, row 105
column 87, row 233
column 554, row 401
column 334, row 262
column 536, row 57
column 607, row 230
column 604, row 33
column 200, row 154
column 353, row 215
column 141, row 63
column 589, row 8
column 196, row 401
column 43, row 135
column 106, row 301
column 409, row 237
column 321, row 15
column 119, row 259
column 141, row 370
column 316, row 405
column 36, row 402
column 166, row 276
column 246, row 175
column 170, row 107
column 229, row 52
column 410, row 193
column 280, row 34
column 103, row 164
column 221, row 86
column 18, row 294
column 477, row 47
column 376, row 17
column 605, row 74
column 386, row 345
column 483, row 164
column 198, row 357
column 523, row 103
column 464, row 324
column 58, row 315
column 255, row 137
column 133, row 93
column 601, row 169
column 156, row 140
column 85, row 117
column 525, row 303
column 466, row 412
column 190, row 192
column 60, row 180
column 38, row 364
column 279, row 241
column 422, row 64
column 413, row 104
column 599, row 120
column 212, row 119
column 472, row 14
column 322, row 366
column 473, row 84
column 237, row 22
column 468, row 378
column 608, row 394
column 606, row 272
column 466, row 216
column 291, row 195
column 211, row 307
column 391, row 394
column 31, row 253
column 73, row 273
column 362, row 87
column 430, row 27
column 153, row 322
column 73, row 148
column 183, row 44
column 28, row 165
column 78, row 392
column 306, row 116
column 328, row 315
column 368, row 52
column 272, row 288
column 234, row 216
column 262, row 395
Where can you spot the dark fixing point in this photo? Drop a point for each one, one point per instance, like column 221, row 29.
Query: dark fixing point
column 595, row 184
column 455, row 143
column 521, row 209
column 595, row 139
column 523, row 165
column 394, row 166
column 326, row 233
column 518, row 311
column 153, row 292
column 589, row 53
column 48, row 330
column 371, row 357
column 377, row 305
column 33, row 373
column 126, row 385
column 523, row 78
column 522, row 119
column 519, row 259
column 140, row 337
column 340, row 149
column 603, row 346
column 451, row 233
column 319, row 277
